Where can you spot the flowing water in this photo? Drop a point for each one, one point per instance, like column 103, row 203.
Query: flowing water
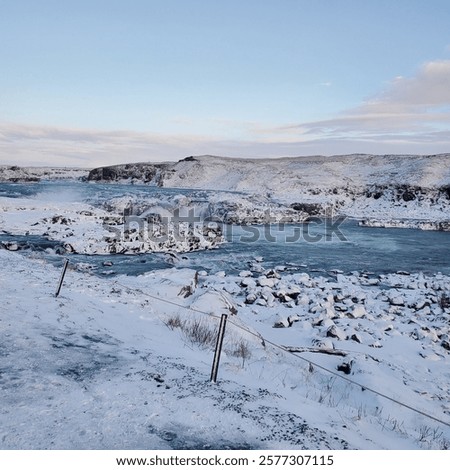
column 314, row 247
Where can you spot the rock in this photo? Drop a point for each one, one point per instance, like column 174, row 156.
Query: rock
column 445, row 342
column 245, row 274
column 302, row 279
column 309, row 208
column 293, row 292
column 356, row 337
column 272, row 274
column 372, row 281
column 107, row 263
column 302, row 300
column 324, row 343
column 267, row 295
column 283, row 296
column 417, row 334
column 330, row 312
column 257, row 268
column 251, row 298
column 186, row 291
column 265, row 282
column 10, row 246
column 335, row 332
column 430, row 333
column 358, row 311
column 419, row 304
column 231, row 288
column 345, row 367
column 248, row 282
column 292, row 319
column 444, row 301
column 326, row 322
column 397, row 300
column 316, row 308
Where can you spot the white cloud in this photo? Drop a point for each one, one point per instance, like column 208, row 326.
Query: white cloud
column 412, row 106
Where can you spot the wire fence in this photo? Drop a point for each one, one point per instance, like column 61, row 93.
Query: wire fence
column 297, row 355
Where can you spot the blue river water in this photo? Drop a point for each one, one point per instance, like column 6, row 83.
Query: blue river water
column 315, row 247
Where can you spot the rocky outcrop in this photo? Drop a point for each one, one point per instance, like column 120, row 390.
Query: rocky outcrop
column 139, row 172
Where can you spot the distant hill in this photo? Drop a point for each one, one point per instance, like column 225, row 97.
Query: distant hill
column 283, row 176
column 16, row 174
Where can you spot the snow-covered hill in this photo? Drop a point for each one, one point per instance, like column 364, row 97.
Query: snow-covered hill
column 285, row 175
column 380, row 187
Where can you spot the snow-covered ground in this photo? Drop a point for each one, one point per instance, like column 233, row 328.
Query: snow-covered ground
column 125, row 362
column 357, row 361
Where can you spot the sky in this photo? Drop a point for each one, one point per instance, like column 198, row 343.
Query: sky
column 94, row 82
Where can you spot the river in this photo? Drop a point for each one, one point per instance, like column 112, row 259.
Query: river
column 318, row 247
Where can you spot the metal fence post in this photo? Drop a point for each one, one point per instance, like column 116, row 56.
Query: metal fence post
column 61, row 279
column 215, row 365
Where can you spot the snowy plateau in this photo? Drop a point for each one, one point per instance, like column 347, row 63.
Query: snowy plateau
column 310, row 360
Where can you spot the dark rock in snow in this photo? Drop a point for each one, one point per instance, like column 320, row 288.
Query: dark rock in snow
column 335, row 332
column 310, row 209
column 10, row 246
column 345, row 367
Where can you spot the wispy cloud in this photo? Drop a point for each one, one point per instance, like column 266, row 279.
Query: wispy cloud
column 415, row 107
column 41, row 145
column 411, row 115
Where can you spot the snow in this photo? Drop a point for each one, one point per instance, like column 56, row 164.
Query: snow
column 391, row 190
column 309, row 361
column 106, row 364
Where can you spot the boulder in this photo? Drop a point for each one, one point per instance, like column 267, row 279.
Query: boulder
column 345, row 367
column 397, row 300
column 358, row 311
column 10, row 246
column 335, row 332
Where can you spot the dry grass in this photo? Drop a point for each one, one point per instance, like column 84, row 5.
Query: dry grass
column 203, row 333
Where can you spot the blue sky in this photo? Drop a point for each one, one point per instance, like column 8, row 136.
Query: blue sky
column 86, row 83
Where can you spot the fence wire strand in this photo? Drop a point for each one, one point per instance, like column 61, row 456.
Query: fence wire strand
column 286, row 350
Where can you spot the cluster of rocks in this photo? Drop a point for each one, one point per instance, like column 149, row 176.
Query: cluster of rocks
column 164, row 238
column 407, row 193
column 439, row 225
column 96, row 232
column 347, row 307
column 253, row 212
